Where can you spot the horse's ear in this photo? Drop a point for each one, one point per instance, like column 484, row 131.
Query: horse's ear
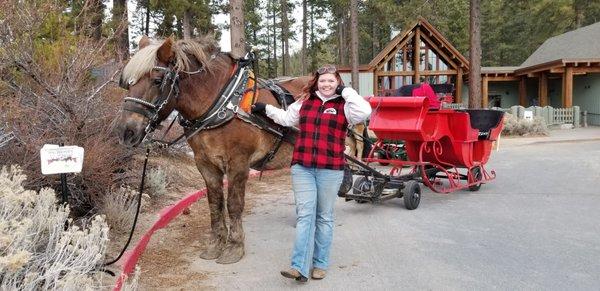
column 144, row 42
column 165, row 52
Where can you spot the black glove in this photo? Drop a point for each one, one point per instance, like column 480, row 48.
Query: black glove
column 258, row 107
column 339, row 89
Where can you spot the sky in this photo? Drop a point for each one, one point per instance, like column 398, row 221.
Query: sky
column 295, row 45
column 225, row 41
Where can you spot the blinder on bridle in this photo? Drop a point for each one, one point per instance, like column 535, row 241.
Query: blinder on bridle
column 153, row 110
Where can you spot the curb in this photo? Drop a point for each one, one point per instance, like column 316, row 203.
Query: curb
column 165, row 215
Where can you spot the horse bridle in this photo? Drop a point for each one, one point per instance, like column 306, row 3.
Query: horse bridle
column 152, row 111
column 222, row 109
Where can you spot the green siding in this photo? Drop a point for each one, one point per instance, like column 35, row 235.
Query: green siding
column 555, row 93
column 507, row 91
column 586, row 94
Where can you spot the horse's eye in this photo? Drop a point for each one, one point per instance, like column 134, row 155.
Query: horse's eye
column 157, row 82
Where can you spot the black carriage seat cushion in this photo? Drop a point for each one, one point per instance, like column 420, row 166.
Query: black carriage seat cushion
column 407, row 90
column 443, row 88
column 484, row 120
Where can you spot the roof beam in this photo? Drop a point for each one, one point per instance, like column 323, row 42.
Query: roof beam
column 584, row 70
column 503, row 79
column 393, row 52
column 417, row 55
column 439, row 51
column 422, row 73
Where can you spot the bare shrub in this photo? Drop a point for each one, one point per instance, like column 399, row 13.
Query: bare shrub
column 57, row 86
column 119, row 207
column 156, row 182
column 523, row 127
column 538, row 126
column 40, row 247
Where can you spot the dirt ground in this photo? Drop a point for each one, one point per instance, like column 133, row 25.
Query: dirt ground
column 167, row 258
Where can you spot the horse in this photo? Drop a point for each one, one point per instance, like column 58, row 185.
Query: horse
column 354, row 141
column 205, row 85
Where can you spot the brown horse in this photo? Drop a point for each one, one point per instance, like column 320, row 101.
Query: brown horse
column 201, row 83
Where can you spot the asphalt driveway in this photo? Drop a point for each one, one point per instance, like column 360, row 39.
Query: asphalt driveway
column 537, row 226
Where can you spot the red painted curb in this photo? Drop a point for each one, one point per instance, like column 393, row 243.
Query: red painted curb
column 165, row 215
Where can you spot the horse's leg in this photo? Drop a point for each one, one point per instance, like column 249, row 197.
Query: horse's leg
column 350, row 145
column 218, row 235
column 237, row 176
column 359, row 128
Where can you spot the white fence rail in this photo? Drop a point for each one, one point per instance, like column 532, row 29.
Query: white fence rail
column 551, row 115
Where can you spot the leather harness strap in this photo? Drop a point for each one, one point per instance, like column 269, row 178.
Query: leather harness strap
column 228, row 105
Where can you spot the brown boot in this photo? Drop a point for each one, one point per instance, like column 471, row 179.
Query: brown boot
column 318, row 274
column 294, row 274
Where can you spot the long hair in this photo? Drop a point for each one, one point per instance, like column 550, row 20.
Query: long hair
column 312, row 85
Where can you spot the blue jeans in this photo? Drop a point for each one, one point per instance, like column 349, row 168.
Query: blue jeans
column 315, row 192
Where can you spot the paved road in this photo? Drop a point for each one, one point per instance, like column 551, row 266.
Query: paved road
column 537, row 226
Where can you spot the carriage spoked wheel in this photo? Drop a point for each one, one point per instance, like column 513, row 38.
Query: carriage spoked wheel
column 411, row 194
column 388, row 152
column 430, row 172
column 362, row 185
column 477, row 176
column 429, row 177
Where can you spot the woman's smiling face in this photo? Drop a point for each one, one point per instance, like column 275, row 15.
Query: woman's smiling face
column 327, row 84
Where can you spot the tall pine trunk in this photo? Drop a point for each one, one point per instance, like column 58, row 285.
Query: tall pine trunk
column 313, row 49
column 122, row 32
column 354, row 42
column 285, row 35
column 187, row 27
column 475, row 55
column 274, row 40
column 238, row 40
column 96, row 21
column 304, row 28
column 375, row 37
column 341, row 41
column 269, row 65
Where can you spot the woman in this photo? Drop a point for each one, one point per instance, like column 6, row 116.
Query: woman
column 322, row 114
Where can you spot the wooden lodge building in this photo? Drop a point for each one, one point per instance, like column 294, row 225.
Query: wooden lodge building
column 564, row 71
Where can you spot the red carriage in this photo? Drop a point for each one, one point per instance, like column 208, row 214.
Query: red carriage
column 447, row 149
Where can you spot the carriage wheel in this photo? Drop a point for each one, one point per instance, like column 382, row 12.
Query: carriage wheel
column 412, row 195
column 476, row 172
column 431, row 175
column 382, row 154
column 362, row 185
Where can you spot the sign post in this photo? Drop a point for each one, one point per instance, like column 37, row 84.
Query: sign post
column 61, row 159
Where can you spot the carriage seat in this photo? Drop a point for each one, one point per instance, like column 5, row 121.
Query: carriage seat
column 422, row 90
column 484, row 120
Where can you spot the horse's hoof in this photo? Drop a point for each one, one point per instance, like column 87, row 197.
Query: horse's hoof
column 233, row 253
column 214, row 251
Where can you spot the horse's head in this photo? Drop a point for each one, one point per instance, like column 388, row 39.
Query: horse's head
column 154, row 76
column 151, row 81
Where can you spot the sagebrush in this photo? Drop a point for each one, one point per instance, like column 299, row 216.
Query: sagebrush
column 119, row 208
column 41, row 248
column 524, row 127
column 156, row 182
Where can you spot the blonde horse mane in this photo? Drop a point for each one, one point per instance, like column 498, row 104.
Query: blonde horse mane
column 142, row 62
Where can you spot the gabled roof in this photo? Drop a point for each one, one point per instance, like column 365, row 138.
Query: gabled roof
column 430, row 34
column 582, row 43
